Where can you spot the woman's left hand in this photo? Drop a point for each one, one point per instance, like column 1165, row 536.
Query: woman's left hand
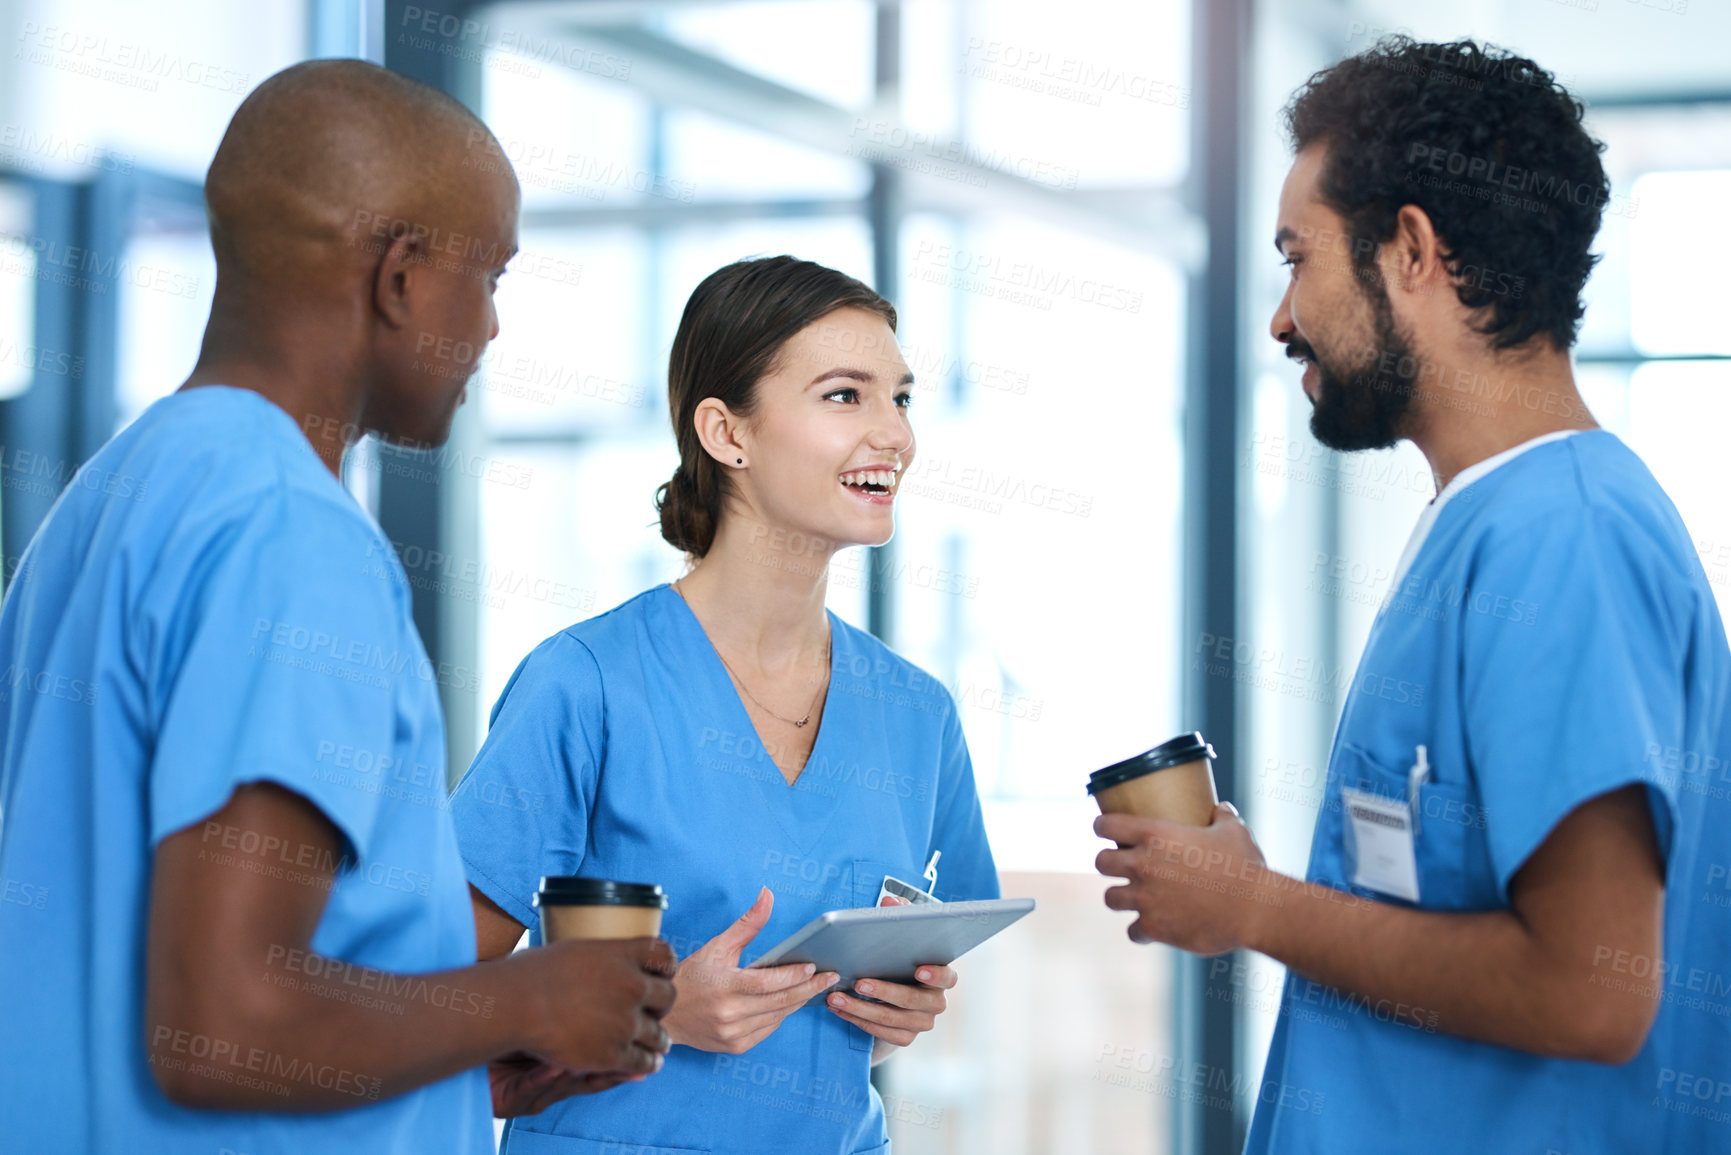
column 903, row 1012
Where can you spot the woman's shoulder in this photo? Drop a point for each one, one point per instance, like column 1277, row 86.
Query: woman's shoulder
column 621, row 624
column 589, row 645
column 865, row 664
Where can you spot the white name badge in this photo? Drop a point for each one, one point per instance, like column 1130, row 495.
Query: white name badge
column 1379, row 844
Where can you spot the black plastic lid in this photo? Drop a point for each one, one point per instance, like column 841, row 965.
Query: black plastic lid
column 569, row 890
column 1184, row 748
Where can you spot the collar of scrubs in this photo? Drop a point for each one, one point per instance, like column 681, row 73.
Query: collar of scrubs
column 723, row 683
column 1461, row 480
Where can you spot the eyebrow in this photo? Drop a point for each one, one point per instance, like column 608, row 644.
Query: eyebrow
column 863, row 375
column 1280, row 239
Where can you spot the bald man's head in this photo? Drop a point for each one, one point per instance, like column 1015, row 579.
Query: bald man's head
column 352, row 198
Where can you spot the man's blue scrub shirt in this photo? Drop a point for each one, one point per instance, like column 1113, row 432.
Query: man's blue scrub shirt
column 206, row 606
column 1555, row 639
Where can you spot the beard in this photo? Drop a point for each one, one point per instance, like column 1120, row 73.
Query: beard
column 1358, row 405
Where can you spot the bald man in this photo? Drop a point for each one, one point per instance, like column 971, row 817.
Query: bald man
column 234, row 915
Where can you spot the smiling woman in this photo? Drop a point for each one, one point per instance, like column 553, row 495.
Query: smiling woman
column 730, row 739
column 813, row 344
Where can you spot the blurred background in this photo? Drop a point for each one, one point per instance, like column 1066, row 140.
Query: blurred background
column 1118, row 527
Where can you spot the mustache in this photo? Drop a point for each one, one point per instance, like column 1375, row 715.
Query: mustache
column 1297, row 350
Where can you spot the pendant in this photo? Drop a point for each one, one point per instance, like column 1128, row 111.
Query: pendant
column 803, row 720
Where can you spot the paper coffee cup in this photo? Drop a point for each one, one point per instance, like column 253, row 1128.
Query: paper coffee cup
column 573, row 907
column 1173, row 781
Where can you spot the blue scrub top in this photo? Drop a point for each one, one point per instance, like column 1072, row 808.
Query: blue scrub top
column 206, row 606
column 621, row 750
column 1554, row 639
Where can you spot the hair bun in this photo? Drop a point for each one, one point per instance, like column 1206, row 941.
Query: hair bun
column 686, row 523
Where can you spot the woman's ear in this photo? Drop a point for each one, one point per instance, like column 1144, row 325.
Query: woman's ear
column 721, row 432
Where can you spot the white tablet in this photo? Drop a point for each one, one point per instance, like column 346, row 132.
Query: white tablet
column 891, row 942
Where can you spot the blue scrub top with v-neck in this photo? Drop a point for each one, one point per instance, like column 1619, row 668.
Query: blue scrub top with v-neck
column 1555, row 639
column 621, row 750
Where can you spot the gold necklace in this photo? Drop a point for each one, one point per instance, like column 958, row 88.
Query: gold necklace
column 828, row 646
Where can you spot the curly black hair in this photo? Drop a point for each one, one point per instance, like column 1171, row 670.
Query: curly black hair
column 1491, row 147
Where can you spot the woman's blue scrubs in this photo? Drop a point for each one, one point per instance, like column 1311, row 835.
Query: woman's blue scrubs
column 621, row 750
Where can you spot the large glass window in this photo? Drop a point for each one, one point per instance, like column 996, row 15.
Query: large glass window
column 109, row 92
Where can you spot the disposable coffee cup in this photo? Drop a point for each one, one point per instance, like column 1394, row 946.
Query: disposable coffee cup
column 573, row 907
column 1173, row 781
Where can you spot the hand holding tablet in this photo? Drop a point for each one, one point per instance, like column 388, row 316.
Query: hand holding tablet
column 893, row 942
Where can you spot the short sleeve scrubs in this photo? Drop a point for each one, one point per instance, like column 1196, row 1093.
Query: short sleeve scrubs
column 620, row 749
column 1554, row 639
column 206, row 607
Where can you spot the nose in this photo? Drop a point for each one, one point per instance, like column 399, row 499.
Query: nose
column 1280, row 326
column 892, row 431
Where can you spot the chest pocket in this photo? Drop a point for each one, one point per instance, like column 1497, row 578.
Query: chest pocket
column 1447, row 820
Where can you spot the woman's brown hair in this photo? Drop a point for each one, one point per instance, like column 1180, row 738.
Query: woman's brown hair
column 734, row 327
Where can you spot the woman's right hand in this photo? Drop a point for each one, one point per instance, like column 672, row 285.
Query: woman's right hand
column 721, row 1007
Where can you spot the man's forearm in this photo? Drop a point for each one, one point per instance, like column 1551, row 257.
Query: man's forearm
column 1479, row 975
column 324, row 1035
column 1465, row 974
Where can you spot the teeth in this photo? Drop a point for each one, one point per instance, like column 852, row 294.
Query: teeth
column 883, row 477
